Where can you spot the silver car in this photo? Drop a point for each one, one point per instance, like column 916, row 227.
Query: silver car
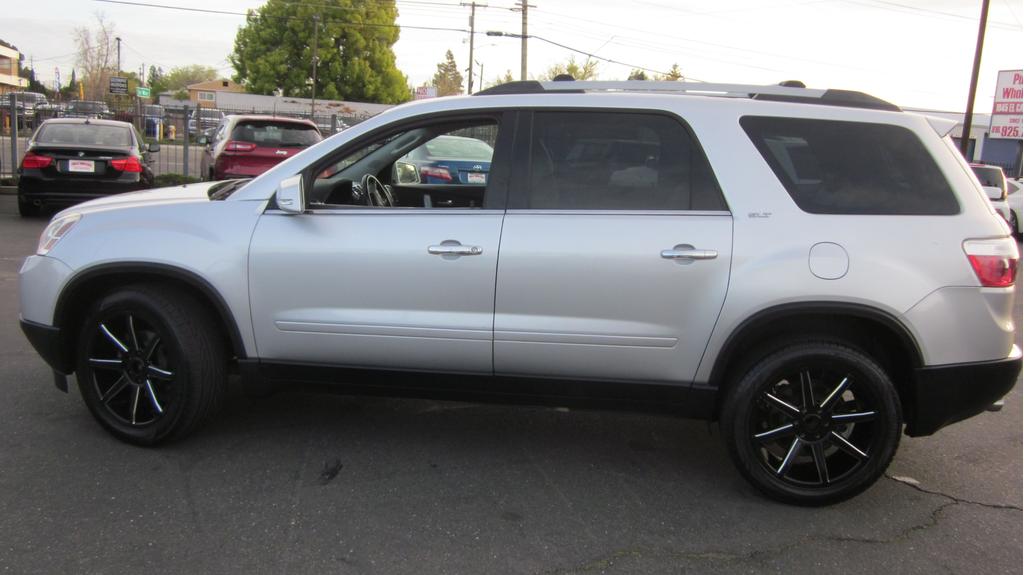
column 816, row 270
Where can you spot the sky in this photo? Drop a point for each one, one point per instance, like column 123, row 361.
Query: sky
column 914, row 53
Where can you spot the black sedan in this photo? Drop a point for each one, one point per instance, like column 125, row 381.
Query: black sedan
column 70, row 160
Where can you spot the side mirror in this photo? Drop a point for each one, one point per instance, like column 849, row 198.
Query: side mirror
column 154, row 147
column 290, row 197
column 203, row 140
column 406, row 173
column 994, row 193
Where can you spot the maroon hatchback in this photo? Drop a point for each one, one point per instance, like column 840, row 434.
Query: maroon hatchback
column 247, row 146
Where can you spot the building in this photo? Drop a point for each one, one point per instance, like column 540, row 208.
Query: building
column 10, row 81
column 204, row 94
column 982, row 148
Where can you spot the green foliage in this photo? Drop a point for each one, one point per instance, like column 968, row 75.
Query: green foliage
column 166, row 180
column 273, row 50
column 637, row 75
column 502, row 79
column 585, row 71
column 180, row 77
column 33, row 84
column 157, row 80
column 674, row 74
column 448, row 79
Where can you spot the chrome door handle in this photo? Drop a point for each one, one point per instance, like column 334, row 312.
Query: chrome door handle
column 454, row 249
column 688, row 254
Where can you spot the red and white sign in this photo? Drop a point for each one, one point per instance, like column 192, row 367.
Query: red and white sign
column 1006, row 112
column 424, row 92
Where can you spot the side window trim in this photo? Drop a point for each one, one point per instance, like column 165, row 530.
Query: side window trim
column 497, row 191
column 521, row 178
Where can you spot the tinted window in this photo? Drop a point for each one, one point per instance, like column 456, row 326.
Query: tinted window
column 84, row 134
column 275, row 134
column 617, row 161
column 831, row 167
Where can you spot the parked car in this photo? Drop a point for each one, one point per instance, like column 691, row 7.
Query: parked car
column 88, row 109
column 816, row 270
column 247, row 146
column 1013, row 201
column 993, row 181
column 208, row 118
column 446, row 160
column 25, row 104
column 71, row 160
column 153, row 120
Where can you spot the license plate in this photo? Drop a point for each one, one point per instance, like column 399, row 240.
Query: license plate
column 86, row 166
column 476, row 178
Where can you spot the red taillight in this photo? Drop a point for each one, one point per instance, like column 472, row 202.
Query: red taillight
column 994, row 261
column 35, row 161
column 129, row 164
column 233, row 146
column 439, row 173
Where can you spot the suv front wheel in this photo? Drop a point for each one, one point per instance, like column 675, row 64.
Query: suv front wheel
column 150, row 365
column 813, row 423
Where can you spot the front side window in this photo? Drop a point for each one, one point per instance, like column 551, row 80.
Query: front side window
column 437, row 166
column 834, row 167
column 617, row 161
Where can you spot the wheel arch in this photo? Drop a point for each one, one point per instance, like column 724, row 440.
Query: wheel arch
column 872, row 330
column 85, row 287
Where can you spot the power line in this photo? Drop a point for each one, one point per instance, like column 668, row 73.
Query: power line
column 578, row 51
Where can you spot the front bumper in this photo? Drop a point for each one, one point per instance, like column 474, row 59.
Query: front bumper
column 945, row 394
column 48, row 341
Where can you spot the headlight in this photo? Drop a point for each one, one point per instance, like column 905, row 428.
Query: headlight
column 55, row 231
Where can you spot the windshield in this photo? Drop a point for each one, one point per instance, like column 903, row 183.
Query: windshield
column 84, row 135
column 88, row 106
column 275, row 134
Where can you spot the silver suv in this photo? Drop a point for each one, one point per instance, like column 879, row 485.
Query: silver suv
column 814, row 269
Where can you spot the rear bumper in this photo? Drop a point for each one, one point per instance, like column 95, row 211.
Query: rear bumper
column 49, row 343
column 52, row 191
column 946, row 394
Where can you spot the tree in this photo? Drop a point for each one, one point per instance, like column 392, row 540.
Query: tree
column 637, row 75
column 95, row 56
column 448, row 79
column 33, row 84
column 585, row 71
column 157, row 80
column 181, row 77
column 502, row 79
column 674, row 74
column 354, row 42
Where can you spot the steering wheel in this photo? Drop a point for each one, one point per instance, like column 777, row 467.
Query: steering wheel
column 377, row 194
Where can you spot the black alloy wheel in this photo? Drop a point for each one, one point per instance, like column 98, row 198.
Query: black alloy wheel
column 151, row 364
column 813, row 424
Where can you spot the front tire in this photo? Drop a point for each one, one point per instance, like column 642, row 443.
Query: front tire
column 150, row 365
column 814, row 423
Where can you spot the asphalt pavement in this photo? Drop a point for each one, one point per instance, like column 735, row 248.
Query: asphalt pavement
column 321, row 483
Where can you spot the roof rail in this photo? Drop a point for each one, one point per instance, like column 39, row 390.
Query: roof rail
column 771, row 92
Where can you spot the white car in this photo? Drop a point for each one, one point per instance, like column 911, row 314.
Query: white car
column 1013, row 201
column 994, row 182
column 817, row 270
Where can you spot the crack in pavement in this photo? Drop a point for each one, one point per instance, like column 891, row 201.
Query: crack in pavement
column 953, row 498
column 761, row 556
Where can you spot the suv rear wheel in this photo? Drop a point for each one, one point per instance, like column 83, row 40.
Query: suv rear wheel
column 813, row 423
column 150, row 365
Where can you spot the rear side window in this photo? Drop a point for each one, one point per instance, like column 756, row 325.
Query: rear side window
column 832, row 167
column 617, row 161
column 272, row 134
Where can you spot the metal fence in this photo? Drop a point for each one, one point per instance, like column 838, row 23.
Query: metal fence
column 180, row 152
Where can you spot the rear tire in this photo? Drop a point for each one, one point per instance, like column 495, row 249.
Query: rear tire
column 151, row 366
column 812, row 424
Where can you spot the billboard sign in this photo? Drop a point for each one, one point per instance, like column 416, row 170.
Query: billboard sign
column 118, row 85
column 424, row 92
column 1006, row 111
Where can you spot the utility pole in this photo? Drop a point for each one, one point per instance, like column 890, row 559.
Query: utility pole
column 118, row 38
column 523, row 7
column 965, row 137
column 472, row 36
column 481, row 74
column 316, row 30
